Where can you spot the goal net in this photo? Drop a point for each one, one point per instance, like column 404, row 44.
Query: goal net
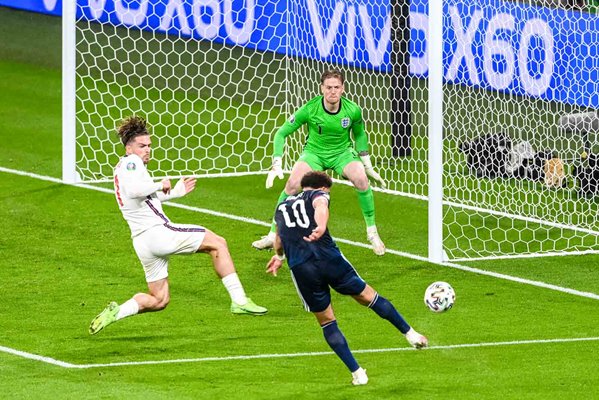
column 208, row 75
column 216, row 78
column 520, row 105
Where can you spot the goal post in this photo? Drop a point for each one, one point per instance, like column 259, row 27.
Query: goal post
column 216, row 78
column 436, row 252
column 69, row 157
column 209, row 75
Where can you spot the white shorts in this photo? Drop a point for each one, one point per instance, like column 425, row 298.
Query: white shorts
column 156, row 245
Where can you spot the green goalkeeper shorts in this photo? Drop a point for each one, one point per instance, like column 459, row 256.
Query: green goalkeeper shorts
column 336, row 163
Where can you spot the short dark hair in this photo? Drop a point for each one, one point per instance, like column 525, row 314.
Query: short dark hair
column 332, row 73
column 131, row 127
column 316, row 179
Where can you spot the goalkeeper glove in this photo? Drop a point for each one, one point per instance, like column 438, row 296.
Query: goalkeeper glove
column 371, row 172
column 275, row 171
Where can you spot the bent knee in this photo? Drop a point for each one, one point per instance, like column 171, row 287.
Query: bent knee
column 213, row 242
column 162, row 303
column 361, row 183
column 292, row 187
column 220, row 242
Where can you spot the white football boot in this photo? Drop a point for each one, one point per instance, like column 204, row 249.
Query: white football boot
column 359, row 377
column 265, row 243
column 416, row 340
column 378, row 247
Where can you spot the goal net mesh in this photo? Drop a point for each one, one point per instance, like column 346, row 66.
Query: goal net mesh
column 211, row 102
column 513, row 71
column 216, row 78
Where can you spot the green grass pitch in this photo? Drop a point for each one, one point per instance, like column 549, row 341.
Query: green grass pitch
column 66, row 253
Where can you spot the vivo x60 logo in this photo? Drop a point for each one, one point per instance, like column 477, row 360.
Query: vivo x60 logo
column 203, row 18
column 495, row 48
column 349, row 32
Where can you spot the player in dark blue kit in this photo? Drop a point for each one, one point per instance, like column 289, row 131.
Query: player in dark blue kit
column 317, row 264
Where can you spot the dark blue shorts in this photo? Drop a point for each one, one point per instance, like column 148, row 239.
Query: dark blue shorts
column 314, row 279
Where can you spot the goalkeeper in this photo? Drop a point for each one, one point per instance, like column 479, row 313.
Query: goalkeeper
column 330, row 118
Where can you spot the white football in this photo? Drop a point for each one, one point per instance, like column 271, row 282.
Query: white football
column 439, row 296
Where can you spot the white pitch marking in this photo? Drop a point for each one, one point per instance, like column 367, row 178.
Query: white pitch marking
column 31, row 356
column 328, row 353
column 261, row 223
column 30, row 174
column 533, row 255
column 284, row 355
column 544, row 285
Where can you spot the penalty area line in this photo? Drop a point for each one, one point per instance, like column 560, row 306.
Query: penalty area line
column 36, row 357
column 253, row 221
column 63, row 364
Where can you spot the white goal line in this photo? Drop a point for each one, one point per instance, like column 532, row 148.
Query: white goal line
column 538, row 221
column 63, row 364
column 531, row 255
column 478, row 271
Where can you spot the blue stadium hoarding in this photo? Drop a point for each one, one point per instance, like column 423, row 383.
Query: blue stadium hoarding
column 496, row 45
column 52, row 7
column 523, row 50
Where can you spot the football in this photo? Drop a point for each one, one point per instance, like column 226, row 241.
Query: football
column 439, row 296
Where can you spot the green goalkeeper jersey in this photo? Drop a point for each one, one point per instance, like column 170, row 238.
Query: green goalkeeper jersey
column 329, row 134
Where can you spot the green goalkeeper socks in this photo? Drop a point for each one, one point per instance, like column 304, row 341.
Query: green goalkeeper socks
column 366, row 201
column 282, row 197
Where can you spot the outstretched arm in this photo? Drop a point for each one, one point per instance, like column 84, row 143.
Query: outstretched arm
column 321, row 217
column 184, row 186
column 277, row 260
column 139, row 189
column 135, row 182
column 290, row 126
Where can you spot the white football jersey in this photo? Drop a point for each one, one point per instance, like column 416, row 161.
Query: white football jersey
column 136, row 195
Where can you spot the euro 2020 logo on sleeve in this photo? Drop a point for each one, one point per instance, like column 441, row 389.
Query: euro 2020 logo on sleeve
column 345, row 122
column 292, row 119
column 131, row 166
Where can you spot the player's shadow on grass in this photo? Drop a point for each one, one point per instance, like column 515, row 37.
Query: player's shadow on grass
column 133, row 338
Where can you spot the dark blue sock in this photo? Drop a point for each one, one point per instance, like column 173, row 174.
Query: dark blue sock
column 337, row 341
column 386, row 310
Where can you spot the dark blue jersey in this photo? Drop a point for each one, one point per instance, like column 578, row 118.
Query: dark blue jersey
column 295, row 220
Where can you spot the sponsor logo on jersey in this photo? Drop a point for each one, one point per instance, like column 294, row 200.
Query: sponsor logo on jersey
column 292, row 119
column 345, row 122
column 131, row 166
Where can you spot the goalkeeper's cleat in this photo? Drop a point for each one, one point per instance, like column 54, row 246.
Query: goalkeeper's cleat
column 416, row 340
column 249, row 308
column 359, row 377
column 265, row 243
column 105, row 318
column 377, row 244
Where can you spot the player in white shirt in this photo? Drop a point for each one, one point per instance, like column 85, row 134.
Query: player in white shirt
column 156, row 238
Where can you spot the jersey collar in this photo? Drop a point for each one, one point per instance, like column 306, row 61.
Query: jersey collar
column 327, row 111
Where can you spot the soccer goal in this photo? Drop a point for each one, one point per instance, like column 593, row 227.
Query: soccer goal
column 487, row 109
column 209, row 76
column 519, row 129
